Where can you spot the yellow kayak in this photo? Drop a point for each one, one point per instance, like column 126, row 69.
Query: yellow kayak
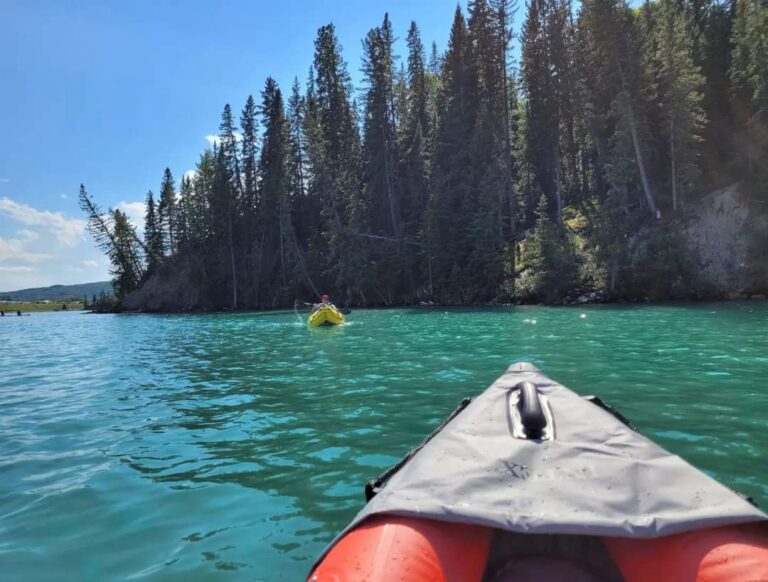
column 326, row 315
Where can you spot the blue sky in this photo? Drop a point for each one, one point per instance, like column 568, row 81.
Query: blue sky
column 109, row 93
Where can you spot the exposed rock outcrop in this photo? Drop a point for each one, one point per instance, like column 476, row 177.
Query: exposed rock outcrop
column 719, row 234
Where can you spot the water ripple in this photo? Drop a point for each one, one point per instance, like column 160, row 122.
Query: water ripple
column 235, row 446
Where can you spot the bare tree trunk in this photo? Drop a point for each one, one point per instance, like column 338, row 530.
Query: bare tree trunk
column 507, row 130
column 258, row 272
column 558, row 192
column 636, row 145
column 614, row 274
column 171, row 220
column 232, row 258
column 641, row 163
column 300, row 256
column 672, row 157
column 388, row 179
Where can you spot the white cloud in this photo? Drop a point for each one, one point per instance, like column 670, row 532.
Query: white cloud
column 16, row 269
column 15, row 249
column 68, row 231
column 4, row 180
column 63, row 196
column 41, row 247
column 27, row 235
column 135, row 212
column 216, row 140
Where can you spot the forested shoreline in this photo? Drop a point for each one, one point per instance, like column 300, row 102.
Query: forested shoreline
column 466, row 177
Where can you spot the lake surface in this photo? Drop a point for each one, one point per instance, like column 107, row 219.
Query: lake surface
column 234, row 446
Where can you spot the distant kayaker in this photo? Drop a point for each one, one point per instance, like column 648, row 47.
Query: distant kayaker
column 18, row 313
column 324, row 300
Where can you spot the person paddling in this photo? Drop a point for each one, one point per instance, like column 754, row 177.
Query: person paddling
column 324, row 300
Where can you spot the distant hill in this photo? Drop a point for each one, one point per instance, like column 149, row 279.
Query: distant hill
column 58, row 292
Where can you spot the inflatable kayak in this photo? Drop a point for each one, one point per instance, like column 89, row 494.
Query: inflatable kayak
column 530, row 481
column 326, row 315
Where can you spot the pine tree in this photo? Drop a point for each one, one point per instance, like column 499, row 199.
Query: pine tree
column 416, row 130
column 296, row 115
column 228, row 139
column 451, row 182
column 379, row 145
column 486, row 207
column 224, row 199
column 336, row 166
column 716, row 62
column 380, row 154
column 275, row 216
column 249, row 151
column 749, row 78
column 167, row 213
column 182, row 224
column 548, row 259
column 610, row 66
column 680, row 94
column 153, row 238
column 504, row 12
column 114, row 234
column 200, row 215
column 549, row 85
column 127, row 269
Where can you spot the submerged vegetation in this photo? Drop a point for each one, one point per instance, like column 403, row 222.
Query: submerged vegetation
column 463, row 177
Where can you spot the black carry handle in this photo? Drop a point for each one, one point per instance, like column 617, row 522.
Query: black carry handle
column 531, row 413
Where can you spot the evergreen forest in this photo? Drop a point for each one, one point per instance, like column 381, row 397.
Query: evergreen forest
column 514, row 165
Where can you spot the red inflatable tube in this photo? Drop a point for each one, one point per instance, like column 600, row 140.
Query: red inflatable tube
column 725, row 554
column 390, row 547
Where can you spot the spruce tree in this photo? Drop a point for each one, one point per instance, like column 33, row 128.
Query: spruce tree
column 416, row 131
column 153, row 238
column 167, row 213
column 610, row 64
column 114, row 234
column 485, row 209
column 336, row 167
column 680, row 95
column 451, row 182
column 224, row 199
column 548, row 259
column 379, row 146
column 275, row 215
column 249, row 150
column 749, row 78
column 181, row 227
column 127, row 268
column 296, row 115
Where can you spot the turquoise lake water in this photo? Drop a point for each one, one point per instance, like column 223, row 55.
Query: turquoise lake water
column 234, row 446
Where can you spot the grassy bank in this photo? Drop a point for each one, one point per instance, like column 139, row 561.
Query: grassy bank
column 28, row 306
